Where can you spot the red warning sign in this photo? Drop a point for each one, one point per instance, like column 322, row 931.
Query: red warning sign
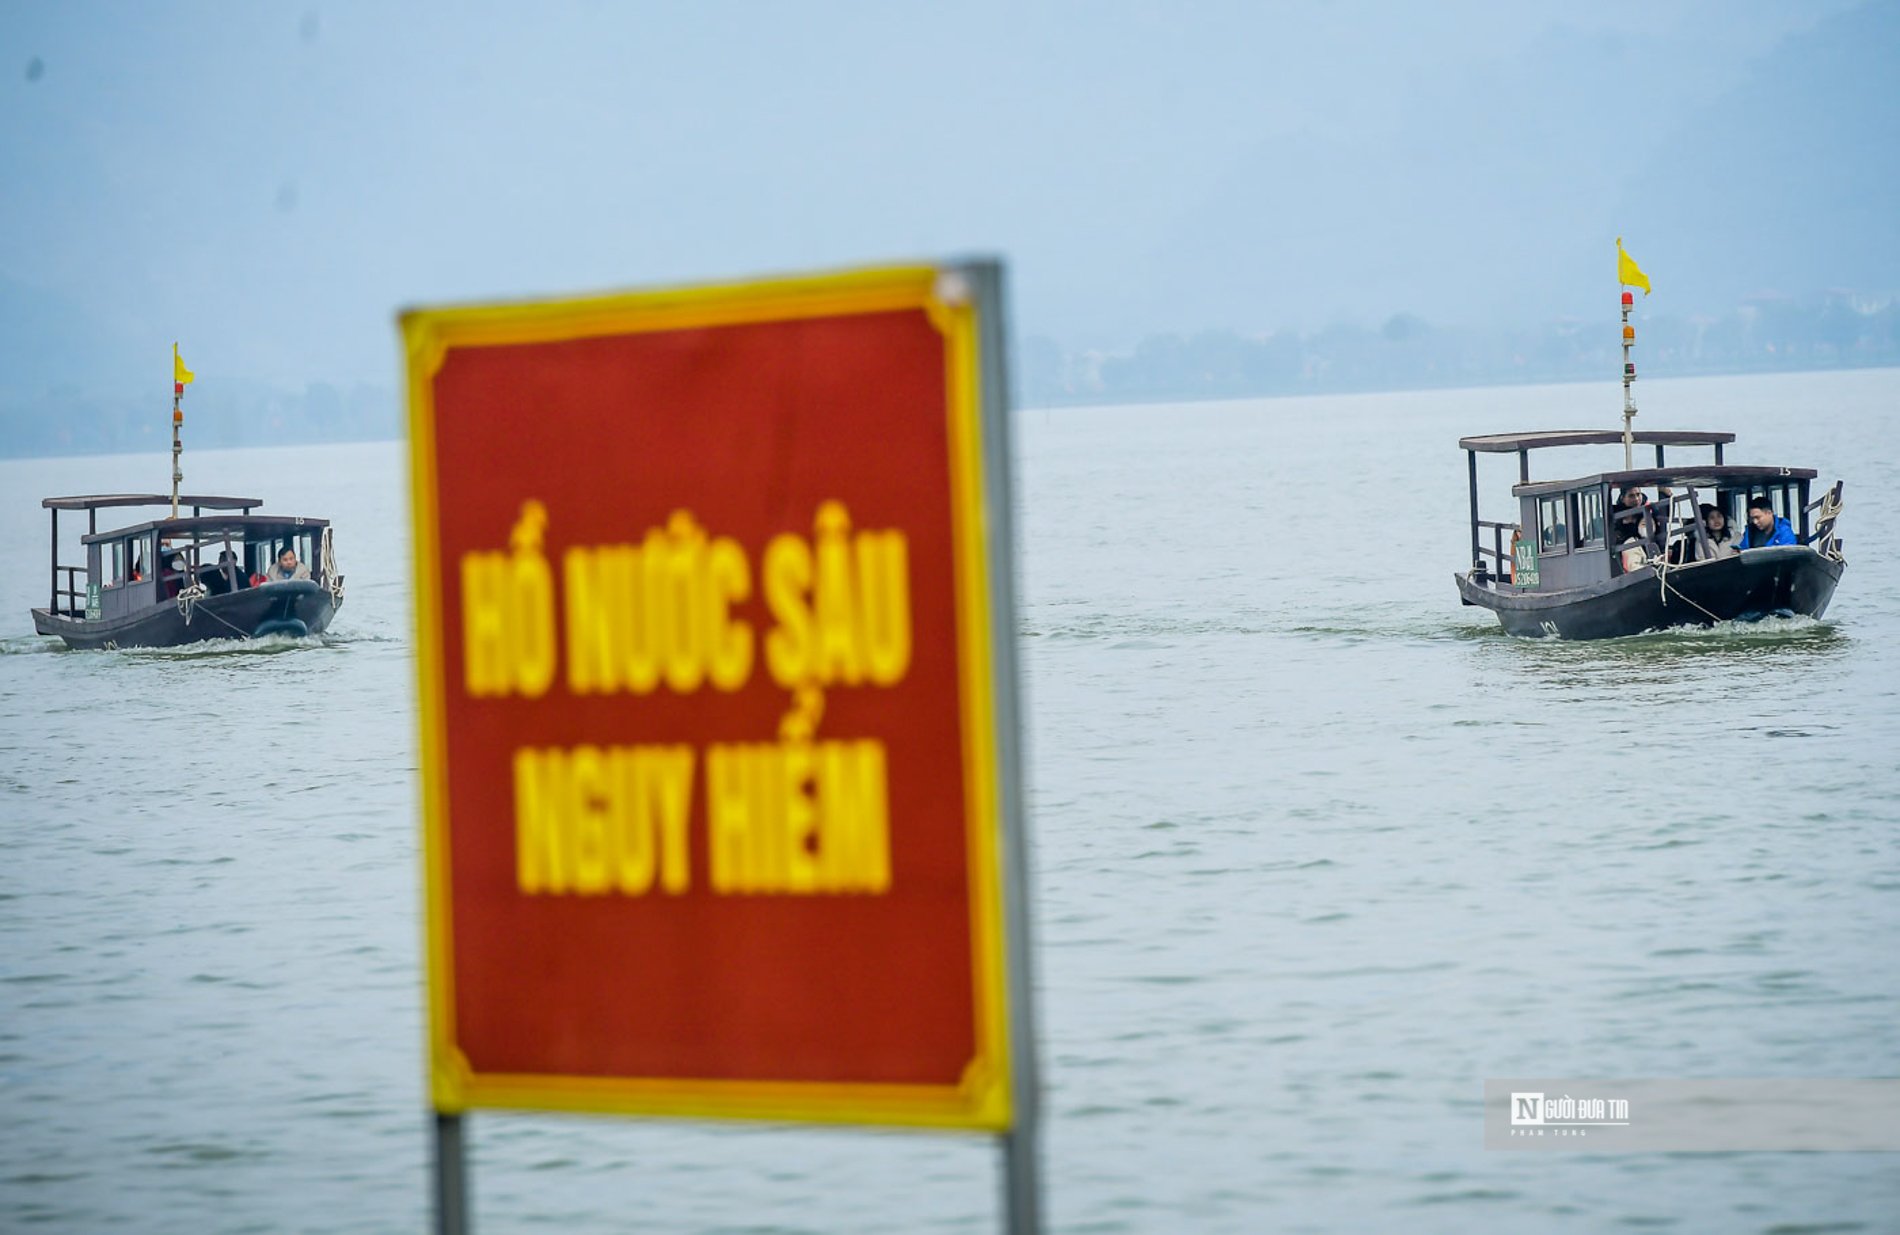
column 709, row 740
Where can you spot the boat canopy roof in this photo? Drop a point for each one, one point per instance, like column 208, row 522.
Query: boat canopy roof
column 213, row 526
column 1511, row 443
column 1692, row 476
column 97, row 501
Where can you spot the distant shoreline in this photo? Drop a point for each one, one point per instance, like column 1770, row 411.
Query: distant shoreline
column 159, row 439
column 1610, row 379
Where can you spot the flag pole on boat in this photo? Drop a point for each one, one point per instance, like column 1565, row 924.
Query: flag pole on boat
column 181, row 377
column 1629, row 274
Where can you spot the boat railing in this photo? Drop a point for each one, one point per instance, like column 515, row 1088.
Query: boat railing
column 1676, row 533
column 1687, row 537
column 72, row 593
column 1496, row 549
column 193, row 569
column 1820, row 515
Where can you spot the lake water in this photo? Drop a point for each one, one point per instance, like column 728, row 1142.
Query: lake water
column 1299, row 887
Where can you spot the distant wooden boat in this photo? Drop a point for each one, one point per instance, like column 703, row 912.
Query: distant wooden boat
column 1579, row 568
column 169, row 581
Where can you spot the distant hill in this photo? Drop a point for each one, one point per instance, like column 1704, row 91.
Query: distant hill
column 1496, row 200
column 1789, row 183
column 1396, row 216
column 1766, row 334
column 70, row 420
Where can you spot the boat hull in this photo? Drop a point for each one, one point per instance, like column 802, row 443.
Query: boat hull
column 1783, row 580
column 297, row 606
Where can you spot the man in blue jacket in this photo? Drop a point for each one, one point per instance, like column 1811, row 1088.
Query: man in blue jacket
column 1764, row 527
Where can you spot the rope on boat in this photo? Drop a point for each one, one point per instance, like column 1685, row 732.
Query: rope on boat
column 1661, row 575
column 241, row 632
column 326, row 558
column 188, row 599
column 1829, row 510
column 1660, row 564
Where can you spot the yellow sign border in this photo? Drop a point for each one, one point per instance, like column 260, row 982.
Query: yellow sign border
column 981, row 1101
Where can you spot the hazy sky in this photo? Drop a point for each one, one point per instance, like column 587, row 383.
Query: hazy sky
column 268, row 183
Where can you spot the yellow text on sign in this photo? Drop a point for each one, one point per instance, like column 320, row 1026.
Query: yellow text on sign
column 789, row 818
column 508, row 614
column 842, row 604
column 592, row 820
column 662, row 611
column 799, row 817
column 658, row 611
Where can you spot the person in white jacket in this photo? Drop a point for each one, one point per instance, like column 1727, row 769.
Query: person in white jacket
column 1721, row 535
column 286, row 567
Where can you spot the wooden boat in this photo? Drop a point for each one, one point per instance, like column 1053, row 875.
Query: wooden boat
column 1580, row 568
column 181, row 579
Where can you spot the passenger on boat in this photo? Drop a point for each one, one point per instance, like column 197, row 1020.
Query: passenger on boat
column 287, row 567
column 1630, row 525
column 1687, row 548
column 1765, row 527
column 1721, row 535
column 228, row 576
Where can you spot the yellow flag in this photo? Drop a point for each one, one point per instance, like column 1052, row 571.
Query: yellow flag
column 1628, row 273
column 181, row 376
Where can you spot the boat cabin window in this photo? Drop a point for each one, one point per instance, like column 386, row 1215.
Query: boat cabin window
column 1588, row 517
column 1552, row 533
column 112, row 563
column 168, row 567
column 265, row 550
column 137, row 551
column 1783, row 498
column 213, row 573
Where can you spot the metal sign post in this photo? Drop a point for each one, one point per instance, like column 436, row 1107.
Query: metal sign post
column 1021, row 1145
column 451, row 1176
column 722, row 777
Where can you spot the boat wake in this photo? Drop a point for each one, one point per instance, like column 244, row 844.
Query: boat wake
column 28, row 645
column 1778, row 629
column 1751, row 632
column 1130, row 629
column 262, row 645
